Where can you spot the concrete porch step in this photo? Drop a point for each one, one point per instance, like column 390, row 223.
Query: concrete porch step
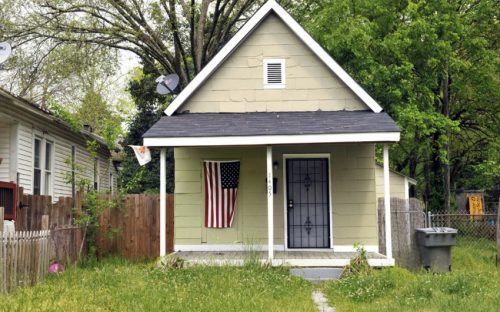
column 317, row 275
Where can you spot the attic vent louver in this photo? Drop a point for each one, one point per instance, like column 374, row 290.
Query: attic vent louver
column 274, row 74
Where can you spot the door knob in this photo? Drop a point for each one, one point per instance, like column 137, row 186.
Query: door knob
column 290, row 204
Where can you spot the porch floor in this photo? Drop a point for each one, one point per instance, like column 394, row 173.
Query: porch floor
column 293, row 258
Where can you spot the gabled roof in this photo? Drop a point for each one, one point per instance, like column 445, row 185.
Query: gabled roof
column 243, row 33
column 16, row 106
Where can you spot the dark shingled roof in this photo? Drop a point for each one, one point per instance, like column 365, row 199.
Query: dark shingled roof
column 282, row 123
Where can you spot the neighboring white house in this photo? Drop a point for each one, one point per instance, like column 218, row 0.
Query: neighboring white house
column 37, row 150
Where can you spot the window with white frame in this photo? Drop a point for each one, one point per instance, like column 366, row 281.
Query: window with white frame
column 111, row 182
column 73, row 170
column 43, row 155
column 96, row 174
column 37, row 166
column 274, row 74
column 48, row 168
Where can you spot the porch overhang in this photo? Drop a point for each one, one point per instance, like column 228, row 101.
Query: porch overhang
column 269, row 129
column 272, row 128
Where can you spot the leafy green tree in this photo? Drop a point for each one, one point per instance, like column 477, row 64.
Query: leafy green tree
column 168, row 36
column 96, row 112
column 434, row 67
column 150, row 106
column 178, row 36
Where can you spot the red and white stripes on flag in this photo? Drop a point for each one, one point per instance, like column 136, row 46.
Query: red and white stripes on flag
column 221, row 188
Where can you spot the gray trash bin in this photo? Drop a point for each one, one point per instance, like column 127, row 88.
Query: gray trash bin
column 435, row 247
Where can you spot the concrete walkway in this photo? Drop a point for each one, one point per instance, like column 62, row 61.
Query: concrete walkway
column 317, row 275
column 321, row 302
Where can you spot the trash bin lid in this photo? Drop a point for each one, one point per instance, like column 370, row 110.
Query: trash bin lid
column 437, row 230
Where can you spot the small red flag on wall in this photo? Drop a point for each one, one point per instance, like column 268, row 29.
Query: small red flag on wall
column 221, row 188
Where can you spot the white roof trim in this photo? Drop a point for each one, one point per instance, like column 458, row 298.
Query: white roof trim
column 269, row 6
column 273, row 139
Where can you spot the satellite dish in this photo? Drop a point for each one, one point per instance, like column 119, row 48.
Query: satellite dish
column 167, row 84
column 5, row 51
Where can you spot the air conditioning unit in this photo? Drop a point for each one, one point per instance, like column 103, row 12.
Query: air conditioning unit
column 8, row 200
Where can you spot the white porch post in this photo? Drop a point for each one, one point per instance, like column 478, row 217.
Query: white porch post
column 270, row 210
column 387, row 204
column 163, row 201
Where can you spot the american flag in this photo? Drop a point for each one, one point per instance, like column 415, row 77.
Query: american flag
column 221, row 188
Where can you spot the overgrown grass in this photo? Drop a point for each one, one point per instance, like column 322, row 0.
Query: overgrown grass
column 473, row 285
column 117, row 285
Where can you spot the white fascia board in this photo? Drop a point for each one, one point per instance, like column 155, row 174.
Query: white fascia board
column 273, row 139
column 243, row 33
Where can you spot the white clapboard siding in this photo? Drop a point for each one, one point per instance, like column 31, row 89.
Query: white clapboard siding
column 62, row 169
column 4, row 152
column 25, row 157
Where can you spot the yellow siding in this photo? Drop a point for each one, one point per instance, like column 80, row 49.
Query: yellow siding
column 353, row 195
column 397, row 183
column 237, row 86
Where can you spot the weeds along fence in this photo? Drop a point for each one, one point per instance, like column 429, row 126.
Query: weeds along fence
column 132, row 230
column 24, row 257
column 406, row 216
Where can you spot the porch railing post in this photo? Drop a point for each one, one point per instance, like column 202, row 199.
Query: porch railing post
column 163, row 201
column 270, row 209
column 387, row 204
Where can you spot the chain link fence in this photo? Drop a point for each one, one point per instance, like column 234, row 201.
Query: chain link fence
column 478, row 237
column 477, row 234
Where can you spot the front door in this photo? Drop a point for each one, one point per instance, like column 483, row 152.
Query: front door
column 308, row 213
column 308, row 217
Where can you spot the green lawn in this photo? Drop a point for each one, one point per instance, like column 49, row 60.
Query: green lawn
column 118, row 285
column 474, row 285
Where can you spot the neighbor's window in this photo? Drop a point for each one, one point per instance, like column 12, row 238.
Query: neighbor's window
column 43, row 153
column 274, row 74
column 73, row 171
column 48, row 168
column 37, row 172
column 96, row 174
column 111, row 182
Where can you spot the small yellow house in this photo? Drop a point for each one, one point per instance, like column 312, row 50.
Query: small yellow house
column 300, row 134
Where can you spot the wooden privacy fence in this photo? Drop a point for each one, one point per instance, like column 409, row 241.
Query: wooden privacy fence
column 24, row 257
column 133, row 230
column 65, row 237
column 406, row 216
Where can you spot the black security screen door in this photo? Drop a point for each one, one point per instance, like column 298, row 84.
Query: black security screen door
column 308, row 218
